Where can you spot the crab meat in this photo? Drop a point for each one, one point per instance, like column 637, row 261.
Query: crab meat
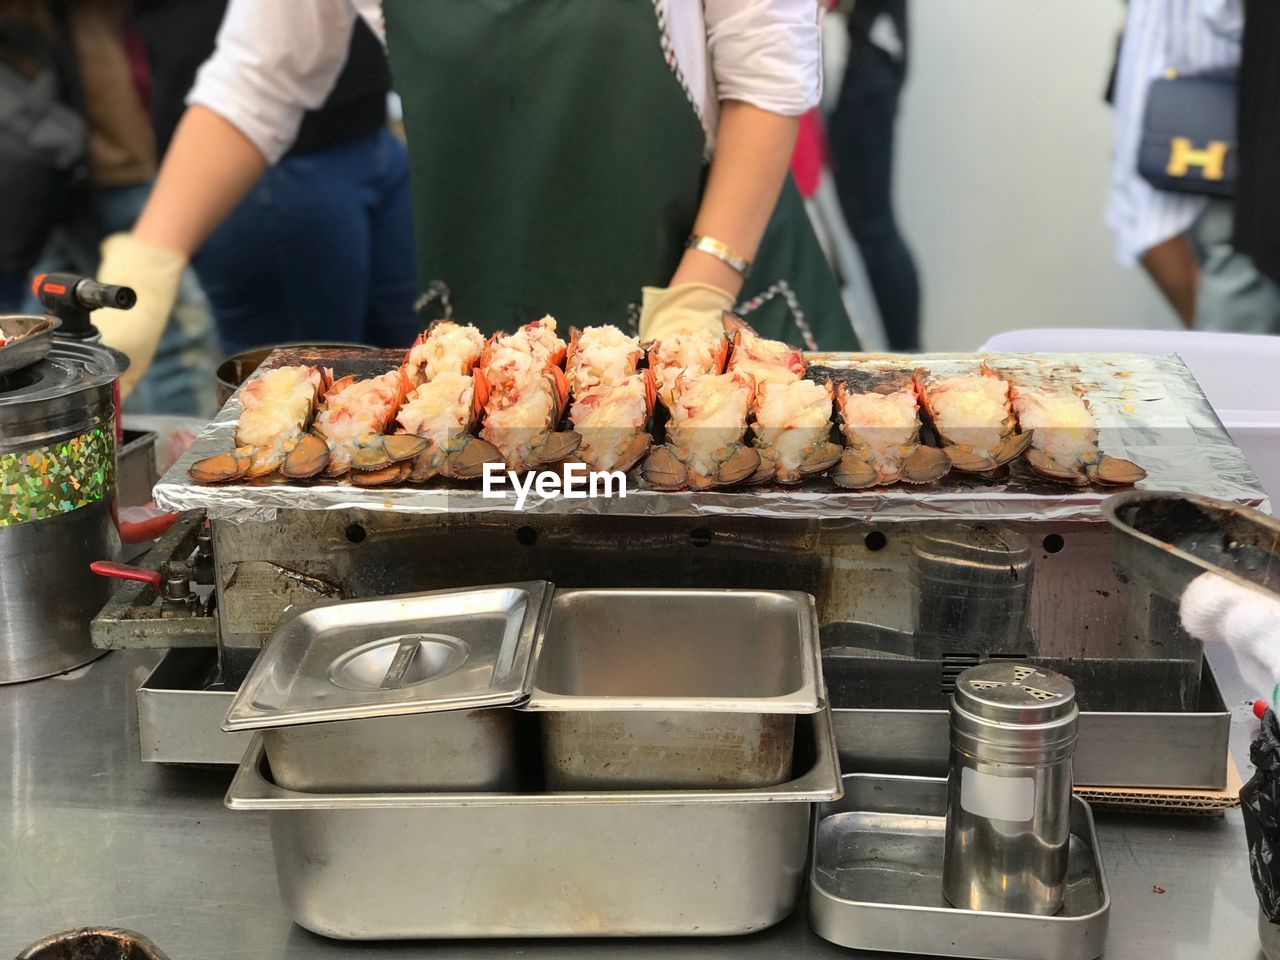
column 973, row 417
column 705, row 445
column 692, row 354
column 539, row 340
column 766, row 361
column 275, row 408
column 792, row 429
column 521, row 422
column 351, row 424
column 443, row 412
column 613, row 422
column 880, row 424
column 1064, row 444
column 600, row 355
column 444, row 347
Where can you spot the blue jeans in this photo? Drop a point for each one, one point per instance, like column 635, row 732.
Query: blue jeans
column 320, row 250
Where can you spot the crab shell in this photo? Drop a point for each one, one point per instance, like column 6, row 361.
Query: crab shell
column 521, row 423
column 890, row 451
column 452, row 451
column 695, row 353
column 791, row 427
column 978, row 445
column 263, row 447
column 687, row 460
column 767, row 361
column 621, row 441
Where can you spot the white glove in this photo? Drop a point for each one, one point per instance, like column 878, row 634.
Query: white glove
column 685, row 307
column 153, row 273
column 1248, row 621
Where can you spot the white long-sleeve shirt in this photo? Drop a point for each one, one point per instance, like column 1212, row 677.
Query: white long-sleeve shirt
column 276, row 59
column 1189, row 36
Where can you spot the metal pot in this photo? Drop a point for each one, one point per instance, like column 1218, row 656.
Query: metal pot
column 237, row 368
column 57, row 504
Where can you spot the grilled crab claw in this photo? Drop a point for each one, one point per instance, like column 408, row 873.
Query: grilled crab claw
column 973, row 417
column 767, row 361
column 613, row 422
column 275, row 408
column 444, row 347
column 792, row 429
column 351, row 421
column 880, row 424
column 442, row 413
column 705, row 446
column 1064, row 444
column 600, row 356
column 692, row 354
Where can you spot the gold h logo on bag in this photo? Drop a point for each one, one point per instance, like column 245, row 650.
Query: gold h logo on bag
column 1211, row 160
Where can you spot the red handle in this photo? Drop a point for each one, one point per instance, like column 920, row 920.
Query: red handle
column 123, row 571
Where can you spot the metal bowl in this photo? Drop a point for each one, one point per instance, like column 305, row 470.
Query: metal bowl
column 27, row 340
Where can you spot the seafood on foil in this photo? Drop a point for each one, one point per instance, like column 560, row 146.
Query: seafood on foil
column 691, row 354
column 705, row 436
column 880, row 424
column 276, row 407
column 349, row 434
column 443, row 412
column 767, row 361
column 600, row 356
column 973, row 417
column 613, row 421
column 444, row 347
column 792, row 430
column 1064, row 444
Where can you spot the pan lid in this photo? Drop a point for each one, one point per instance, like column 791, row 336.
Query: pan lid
column 393, row 656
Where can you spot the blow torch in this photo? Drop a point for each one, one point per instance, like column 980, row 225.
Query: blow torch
column 71, row 298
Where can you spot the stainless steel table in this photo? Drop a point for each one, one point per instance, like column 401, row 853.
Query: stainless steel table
column 91, row 835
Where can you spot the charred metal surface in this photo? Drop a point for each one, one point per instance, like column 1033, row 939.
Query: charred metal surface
column 94, row 943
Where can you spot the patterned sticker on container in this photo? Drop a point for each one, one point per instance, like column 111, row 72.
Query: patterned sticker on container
column 58, row 478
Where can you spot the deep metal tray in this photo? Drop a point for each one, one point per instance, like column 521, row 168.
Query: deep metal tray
column 616, row 864
column 28, row 340
column 181, row 706
column 1117, row 747
column 876, row 881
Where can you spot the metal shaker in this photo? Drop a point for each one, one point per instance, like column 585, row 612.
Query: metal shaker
column 1013, row 731
column 970, row 585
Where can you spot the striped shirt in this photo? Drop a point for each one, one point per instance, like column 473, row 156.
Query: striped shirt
column 1189, row 36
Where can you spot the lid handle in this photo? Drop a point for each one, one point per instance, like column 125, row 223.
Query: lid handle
column 400, row 663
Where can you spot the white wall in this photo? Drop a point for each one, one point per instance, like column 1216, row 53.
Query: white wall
column 1004, row 146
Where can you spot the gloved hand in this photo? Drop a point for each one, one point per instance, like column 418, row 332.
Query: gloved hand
column 1248, row 621
column 154, row 273
column 679, row 309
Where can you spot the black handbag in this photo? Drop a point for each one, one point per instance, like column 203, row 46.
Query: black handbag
column 1188, row 139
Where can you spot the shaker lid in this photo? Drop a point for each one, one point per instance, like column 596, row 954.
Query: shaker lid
column 393, row 656
column 1016, row 692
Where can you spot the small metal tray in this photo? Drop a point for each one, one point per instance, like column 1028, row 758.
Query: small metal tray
column 395, row 656
column 27, row 340
column 181, row 706
column 368, row 866
column 876, row 881
column 1166, row 540
column 679, row 689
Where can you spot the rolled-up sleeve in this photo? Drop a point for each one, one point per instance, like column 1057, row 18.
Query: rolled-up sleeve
column 275, row 60
column 766, row 52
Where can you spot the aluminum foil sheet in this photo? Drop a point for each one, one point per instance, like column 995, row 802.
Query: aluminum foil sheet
column 1149, row 409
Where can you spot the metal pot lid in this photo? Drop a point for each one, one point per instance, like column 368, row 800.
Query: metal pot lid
column 70, row 367
column 394, row 656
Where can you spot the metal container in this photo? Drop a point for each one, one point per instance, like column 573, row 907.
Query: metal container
column 57, row 495
column 674, row 689
column 24, row 341
column 397, row 693
column 94, row 943
column 971, row 587
column 624, row 864
column 1013, row 730
column 181, row 706
column 876, row 881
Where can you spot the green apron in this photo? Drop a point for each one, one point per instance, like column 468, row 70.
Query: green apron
column 556, row 165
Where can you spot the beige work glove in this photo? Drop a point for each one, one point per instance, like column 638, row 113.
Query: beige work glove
column 154, row 273
column 679, row 309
